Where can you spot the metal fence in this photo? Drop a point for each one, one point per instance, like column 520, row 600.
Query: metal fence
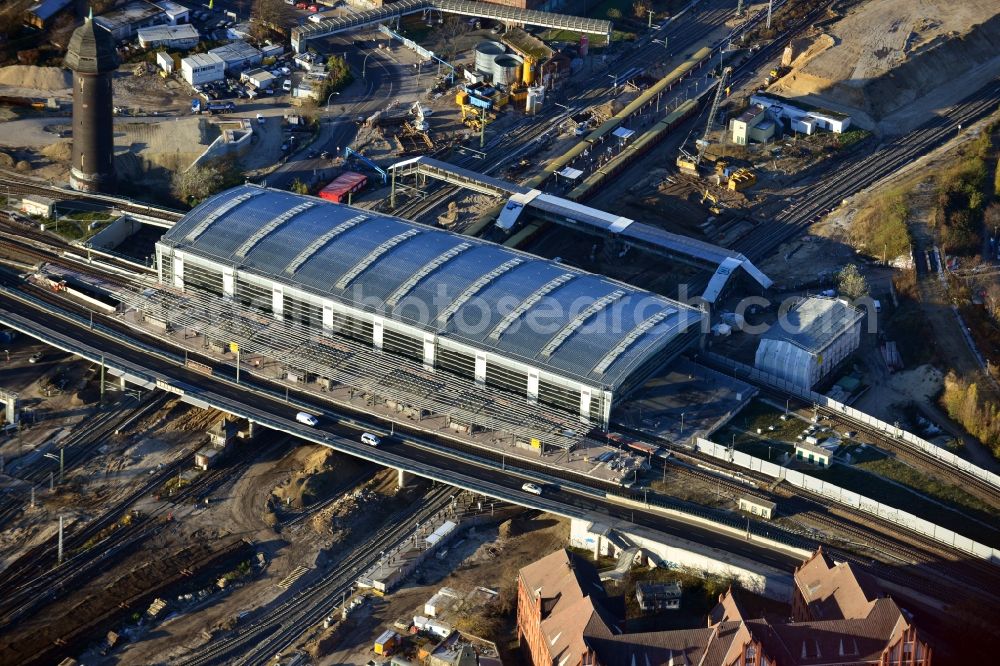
column 850, row 498
column 892, row 430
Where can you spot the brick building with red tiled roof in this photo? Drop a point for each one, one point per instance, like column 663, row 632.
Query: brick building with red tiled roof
column 839, row 618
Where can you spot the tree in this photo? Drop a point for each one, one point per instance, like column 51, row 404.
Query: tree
column 270, row 16
column 202, row 181
column 299, row 187
column 851, row 283
column 614, row 13
column 641, row 8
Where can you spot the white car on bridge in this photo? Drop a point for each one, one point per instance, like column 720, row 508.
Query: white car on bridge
column 308, row 419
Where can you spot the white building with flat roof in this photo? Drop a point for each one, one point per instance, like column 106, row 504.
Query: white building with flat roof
column 183, row 36
column 203, row 68
column 802, row 117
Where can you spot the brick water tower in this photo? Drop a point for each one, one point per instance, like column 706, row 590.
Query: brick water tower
column 93, row 59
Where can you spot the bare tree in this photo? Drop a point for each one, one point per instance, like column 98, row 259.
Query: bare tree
column 270, row 16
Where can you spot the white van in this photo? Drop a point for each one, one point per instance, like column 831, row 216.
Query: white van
column 370, row 439
column 308, row 419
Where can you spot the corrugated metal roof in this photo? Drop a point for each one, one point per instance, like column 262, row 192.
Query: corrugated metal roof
column 814, row 322
column 392, row 266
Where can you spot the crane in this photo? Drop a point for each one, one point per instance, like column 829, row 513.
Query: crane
column 687, row 161
column 720, row 88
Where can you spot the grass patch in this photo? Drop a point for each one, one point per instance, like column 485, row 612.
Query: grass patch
column 871, row 486
column 88, row 216
column 880, row 227
column 851, row 137
column 760, row 415
column 603, row 562
column 929, row 485
column 71, row 229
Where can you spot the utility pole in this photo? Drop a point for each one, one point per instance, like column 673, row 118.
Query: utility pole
column 60, row 539
column 650, row 12
column 102, row 380
column 32, row 497
column 482, row 130
column 237, row 364
column 62, row 462
column 52, row 481
column 769, row 2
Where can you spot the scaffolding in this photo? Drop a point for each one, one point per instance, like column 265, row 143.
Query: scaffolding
column 287, row 347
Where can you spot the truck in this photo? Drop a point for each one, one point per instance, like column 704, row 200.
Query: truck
column 221, row 107
column 197, row 106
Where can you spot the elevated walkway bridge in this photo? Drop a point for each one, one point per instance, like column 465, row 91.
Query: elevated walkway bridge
column 722, row 262
column 514, row 15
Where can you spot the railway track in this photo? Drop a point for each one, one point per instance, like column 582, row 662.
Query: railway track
column 12, row 185
column 92, row 552
column 971, row 483
column 818, row 199
column 925, row 558
column 74, row 449
column 968, row 482
column 533, row 129
column 282, row 625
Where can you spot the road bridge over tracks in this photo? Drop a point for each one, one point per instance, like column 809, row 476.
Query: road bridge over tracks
column 512, row 15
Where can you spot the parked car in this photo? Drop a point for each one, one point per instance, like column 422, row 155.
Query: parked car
column 308, row 419
column 260, row 118
column 370, row 439
column 35, row 358
column 287, row 85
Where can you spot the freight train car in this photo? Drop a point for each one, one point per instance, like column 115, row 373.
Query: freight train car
column 632, row 152
column 648, row 96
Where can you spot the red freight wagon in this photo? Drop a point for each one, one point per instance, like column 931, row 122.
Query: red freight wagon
column 344, row 184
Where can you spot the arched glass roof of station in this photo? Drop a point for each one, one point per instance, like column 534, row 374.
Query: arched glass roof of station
column 524, row 307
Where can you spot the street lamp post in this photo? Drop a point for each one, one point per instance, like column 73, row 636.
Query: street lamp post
column 329, row 97
column 364, row 65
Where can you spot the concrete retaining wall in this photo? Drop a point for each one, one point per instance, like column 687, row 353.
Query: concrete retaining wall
column 680, row 553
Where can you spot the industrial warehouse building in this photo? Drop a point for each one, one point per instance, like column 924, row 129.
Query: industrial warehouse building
column 810, row 340
column 474, row 310
column 238, row 55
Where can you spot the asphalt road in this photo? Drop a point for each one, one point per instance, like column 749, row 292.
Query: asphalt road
column 345, row 437
column 383, row 79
